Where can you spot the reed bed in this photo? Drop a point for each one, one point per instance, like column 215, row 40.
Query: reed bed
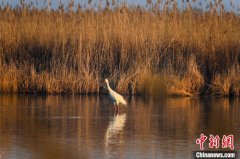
column 141, row 50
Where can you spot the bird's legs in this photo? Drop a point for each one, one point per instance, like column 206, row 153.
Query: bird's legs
column 116, row 108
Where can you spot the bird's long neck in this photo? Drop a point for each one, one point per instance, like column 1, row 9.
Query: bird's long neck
column 109, row 88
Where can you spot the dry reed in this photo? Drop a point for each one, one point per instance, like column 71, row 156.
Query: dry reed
column 141, row 50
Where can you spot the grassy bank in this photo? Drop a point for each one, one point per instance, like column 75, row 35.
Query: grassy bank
column 142, row 51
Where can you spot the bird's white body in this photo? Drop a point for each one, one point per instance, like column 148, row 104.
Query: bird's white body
column 117, row 98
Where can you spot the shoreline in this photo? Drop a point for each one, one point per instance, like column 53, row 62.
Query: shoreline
column 124, row 95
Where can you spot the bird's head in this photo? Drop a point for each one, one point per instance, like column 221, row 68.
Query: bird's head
column 106, row 80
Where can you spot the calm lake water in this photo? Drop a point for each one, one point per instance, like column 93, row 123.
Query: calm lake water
column 60, row 127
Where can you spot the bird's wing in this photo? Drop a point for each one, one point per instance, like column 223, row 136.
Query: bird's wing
column 117, row 97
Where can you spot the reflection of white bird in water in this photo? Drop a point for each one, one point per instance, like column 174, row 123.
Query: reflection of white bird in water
column 115, row 127
column 117, row 98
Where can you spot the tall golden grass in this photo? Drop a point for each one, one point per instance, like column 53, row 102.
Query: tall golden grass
column 141, row 50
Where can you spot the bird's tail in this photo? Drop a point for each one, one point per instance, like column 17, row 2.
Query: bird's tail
column 124, row 102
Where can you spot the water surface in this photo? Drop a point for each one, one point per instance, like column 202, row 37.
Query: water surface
column 87, row 127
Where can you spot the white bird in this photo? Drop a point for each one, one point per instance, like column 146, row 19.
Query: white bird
column 117, row 98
